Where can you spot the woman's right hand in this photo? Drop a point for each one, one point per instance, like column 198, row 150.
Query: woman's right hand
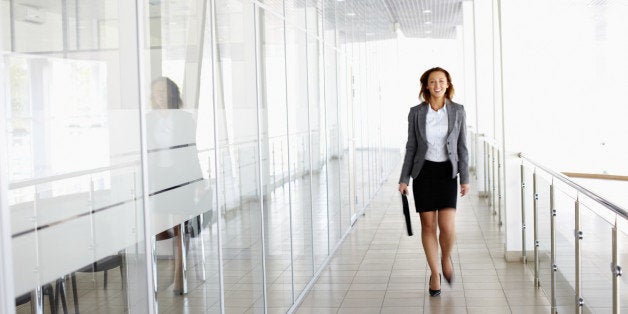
column 403, row 188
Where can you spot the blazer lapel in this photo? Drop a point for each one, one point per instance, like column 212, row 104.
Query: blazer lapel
column 451, row 117
column 421, row 120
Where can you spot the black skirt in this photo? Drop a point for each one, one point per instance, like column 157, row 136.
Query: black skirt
column 434, row 188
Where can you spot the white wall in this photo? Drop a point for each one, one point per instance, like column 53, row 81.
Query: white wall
column 564, row 86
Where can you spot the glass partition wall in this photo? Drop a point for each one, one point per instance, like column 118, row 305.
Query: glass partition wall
column 184, row 156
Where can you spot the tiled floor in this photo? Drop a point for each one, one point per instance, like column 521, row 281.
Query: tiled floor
column 379, row 269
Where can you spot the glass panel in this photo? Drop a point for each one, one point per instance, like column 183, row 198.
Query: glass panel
column 332, row 127
column 299, row 150
column 277, row 209
column 596, row 256
column 316, row 77
column 203, row 262
column 295, row 13
column 344, row 121
column 238, row 155
column 75, row 191
column 181, row 154
column 622, row 252
column 565, row 249
column 544, row 226
column 355, row 17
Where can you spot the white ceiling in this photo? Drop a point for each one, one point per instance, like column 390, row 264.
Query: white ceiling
column 416, row 18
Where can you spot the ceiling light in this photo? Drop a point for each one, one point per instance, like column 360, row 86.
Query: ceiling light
column 428, row 23
column 428, row 11
column 428, row 32
column 350, row 14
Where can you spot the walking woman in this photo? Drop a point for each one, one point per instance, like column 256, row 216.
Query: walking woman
column 436, row 155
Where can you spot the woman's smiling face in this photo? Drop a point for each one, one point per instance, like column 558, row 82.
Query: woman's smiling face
column 437, row 84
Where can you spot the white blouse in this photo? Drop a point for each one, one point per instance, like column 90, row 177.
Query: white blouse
column 436, row 124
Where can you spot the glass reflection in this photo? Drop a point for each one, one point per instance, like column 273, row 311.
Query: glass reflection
column 74, row 149
column 177, row 190
column 318, row 135
column 181, row 157
column 299, row 150
column 238, row 155
column 74, row 189
column 277, row 224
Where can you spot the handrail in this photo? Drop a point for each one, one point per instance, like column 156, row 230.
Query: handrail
column 597, row 176
column 31, row 182
column 615, row 208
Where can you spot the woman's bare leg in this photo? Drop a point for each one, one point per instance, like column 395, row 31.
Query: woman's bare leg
column 447, row 237
column 430, row 245
column 178, row 260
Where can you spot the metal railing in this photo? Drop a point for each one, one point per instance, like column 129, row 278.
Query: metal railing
column 576, row 231
column 598, row 207
column 492, row 188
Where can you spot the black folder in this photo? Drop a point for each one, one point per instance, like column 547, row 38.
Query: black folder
column 406, row 213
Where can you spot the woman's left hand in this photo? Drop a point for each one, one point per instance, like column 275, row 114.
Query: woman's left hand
column 464, row 189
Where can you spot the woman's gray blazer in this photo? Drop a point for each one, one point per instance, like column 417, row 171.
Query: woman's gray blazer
column 416, row 147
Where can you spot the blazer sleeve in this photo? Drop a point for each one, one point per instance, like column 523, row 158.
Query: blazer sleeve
column 411, row 146
column 463, row 151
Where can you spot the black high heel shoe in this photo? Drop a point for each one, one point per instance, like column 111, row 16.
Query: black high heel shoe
column 449, row 279
column 434, row 293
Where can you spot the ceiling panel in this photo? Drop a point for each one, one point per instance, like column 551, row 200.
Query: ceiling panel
column 427, row 18
column 375, row 19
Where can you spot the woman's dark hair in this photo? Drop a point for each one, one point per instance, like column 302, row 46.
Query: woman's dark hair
column 425, row 93
column 173, row 95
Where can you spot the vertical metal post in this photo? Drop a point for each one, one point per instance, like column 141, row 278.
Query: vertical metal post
column 553, row 249
column 489, row 192
column 499, row 187
column 218, row 156
column 493, row 194
column 537, row 282
column 616, row 269
column 578, row 238
column 37, row 297
column 523, row 215
column 37, row 301
column 485, row 169
column 260, row 186
column 202, row 249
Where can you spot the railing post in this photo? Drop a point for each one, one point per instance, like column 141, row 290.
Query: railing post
column 537, row 282
column 553, row 249
column 523, row 215
column 578, row 237
column 499, row 186
column 486, row 181
column 616, row 269
column 37, row 301
column 493, row 195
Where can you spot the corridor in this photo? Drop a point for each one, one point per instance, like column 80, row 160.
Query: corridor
column 379, row 269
